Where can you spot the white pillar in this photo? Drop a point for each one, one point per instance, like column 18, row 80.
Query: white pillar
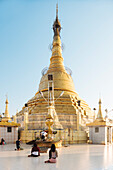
column 110, row 134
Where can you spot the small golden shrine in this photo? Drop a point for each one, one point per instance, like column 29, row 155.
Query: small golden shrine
column 100, row 131
column 8, row 128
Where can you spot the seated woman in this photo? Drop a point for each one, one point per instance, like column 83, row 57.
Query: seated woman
column 35, row 152
column 53, row 154
column 3, row 142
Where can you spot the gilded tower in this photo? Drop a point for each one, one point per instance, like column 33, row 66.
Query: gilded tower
column 72, row 112
column 99, row 115
column 6, row 114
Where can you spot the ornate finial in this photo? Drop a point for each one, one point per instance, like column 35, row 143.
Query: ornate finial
column 57, row 10
column 56, row 25
column 100, row 101
column 6, row 99
column 6, row 96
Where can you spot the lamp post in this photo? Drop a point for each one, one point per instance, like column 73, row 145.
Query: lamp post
column 106, row 110
column 94, row 117
column 26, row 121
column 110, row 128
column 78, row 116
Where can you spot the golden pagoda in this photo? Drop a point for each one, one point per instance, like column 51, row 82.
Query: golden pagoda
column 99, row 120
column 71, row 117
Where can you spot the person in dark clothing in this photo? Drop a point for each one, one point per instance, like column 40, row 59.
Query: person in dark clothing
column 53, row 154
column 35, row 152
column 2, row 142
column 18, row 144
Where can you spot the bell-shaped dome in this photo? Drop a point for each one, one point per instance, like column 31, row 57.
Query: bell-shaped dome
column 62, row 80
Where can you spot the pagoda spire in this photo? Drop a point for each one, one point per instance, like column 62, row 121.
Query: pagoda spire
column 6, row 114
column 57, row 10
column 99, row 115
column 56, row 60
column 56, row 25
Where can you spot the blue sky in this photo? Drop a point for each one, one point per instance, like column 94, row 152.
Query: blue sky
column 25, row 35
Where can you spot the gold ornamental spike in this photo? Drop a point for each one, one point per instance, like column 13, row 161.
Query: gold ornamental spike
column 57, row 10
column 99, row 115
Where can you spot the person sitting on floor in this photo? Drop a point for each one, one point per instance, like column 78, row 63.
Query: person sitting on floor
column 53, row 154
column 35, row 152
column 3, row 142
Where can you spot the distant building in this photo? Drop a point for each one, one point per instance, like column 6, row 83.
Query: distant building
column 100, row 131
column 8, row 128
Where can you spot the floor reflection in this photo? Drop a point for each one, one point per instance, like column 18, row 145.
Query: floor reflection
column 75, row 157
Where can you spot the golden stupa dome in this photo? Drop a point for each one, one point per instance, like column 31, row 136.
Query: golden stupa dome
column 61, row 77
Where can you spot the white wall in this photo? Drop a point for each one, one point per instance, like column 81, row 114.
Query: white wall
column 9, row 137
column 98, row 137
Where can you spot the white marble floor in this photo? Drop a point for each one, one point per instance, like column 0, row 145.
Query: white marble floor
column 74, row 157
